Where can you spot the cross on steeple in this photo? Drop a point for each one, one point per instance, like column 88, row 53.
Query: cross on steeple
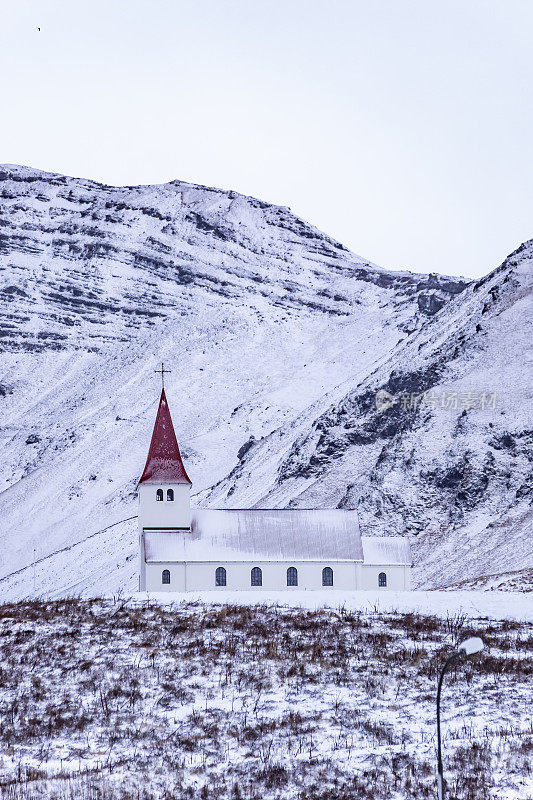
column 162, row 373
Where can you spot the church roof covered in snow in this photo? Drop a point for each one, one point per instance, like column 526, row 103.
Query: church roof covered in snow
column 164, row 464
column 386, row 550
column 259, row 534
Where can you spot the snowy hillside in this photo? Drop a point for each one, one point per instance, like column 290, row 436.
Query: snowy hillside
column 447, row 457
column 277, row 338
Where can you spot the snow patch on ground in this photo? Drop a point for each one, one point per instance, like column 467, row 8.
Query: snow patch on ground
column 473, row 604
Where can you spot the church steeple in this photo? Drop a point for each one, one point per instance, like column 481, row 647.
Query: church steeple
column 164, row 464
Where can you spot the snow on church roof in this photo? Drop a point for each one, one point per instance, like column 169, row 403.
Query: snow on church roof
column 386, row 550
column 259, row 534
column 164, row 464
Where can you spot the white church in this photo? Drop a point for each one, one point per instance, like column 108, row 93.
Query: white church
column 184, row 549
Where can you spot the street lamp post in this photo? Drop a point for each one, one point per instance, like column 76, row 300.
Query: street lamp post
column 466, row 648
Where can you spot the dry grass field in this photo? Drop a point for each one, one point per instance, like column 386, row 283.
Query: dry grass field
column 116, row 700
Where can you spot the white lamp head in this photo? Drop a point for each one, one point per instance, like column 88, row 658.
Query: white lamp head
column 471, row 646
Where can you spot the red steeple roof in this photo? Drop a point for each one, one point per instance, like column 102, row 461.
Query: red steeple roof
column 164, row 464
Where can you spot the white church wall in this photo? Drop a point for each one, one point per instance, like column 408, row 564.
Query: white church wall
column 201, row 576
column 164, row 513
column 198, row 576
column 154, row 573
column 142, row 563
column 398, row 577
column 274, row 575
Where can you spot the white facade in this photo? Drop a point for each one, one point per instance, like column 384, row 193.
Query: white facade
column 198, row 576
column 166, row 512
column 177, row 558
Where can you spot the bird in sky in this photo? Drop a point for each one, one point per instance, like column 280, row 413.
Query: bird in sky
column 38, row 29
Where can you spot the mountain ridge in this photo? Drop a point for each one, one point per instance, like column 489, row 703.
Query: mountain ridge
column 267, row 324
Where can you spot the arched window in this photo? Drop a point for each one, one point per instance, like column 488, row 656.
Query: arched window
column 220, row 576
column 170, row 494
column 159, row 495
column 327, row 576
column 382, row 579
column 256, row 577
column 165, row 576
column 292, row 576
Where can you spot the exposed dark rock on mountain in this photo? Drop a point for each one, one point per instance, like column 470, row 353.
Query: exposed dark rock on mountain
column 279, row 339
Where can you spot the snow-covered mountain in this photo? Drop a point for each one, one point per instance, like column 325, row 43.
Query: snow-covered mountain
column 447, row 454
column 278, row 338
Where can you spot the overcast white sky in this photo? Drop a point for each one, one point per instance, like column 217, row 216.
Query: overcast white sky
column 404, row 128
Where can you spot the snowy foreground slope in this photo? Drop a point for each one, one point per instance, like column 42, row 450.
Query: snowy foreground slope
column 196, row 701
column 278, row 338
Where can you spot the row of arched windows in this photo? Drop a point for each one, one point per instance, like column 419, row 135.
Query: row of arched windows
column 256, row 577
column 159, row 496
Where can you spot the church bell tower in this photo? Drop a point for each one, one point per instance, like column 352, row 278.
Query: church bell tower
column 164, row 488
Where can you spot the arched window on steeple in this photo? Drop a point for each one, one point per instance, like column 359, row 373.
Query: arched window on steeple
column 165, row 576
column 159, row 495
column 170, row 494
column 382, row 580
